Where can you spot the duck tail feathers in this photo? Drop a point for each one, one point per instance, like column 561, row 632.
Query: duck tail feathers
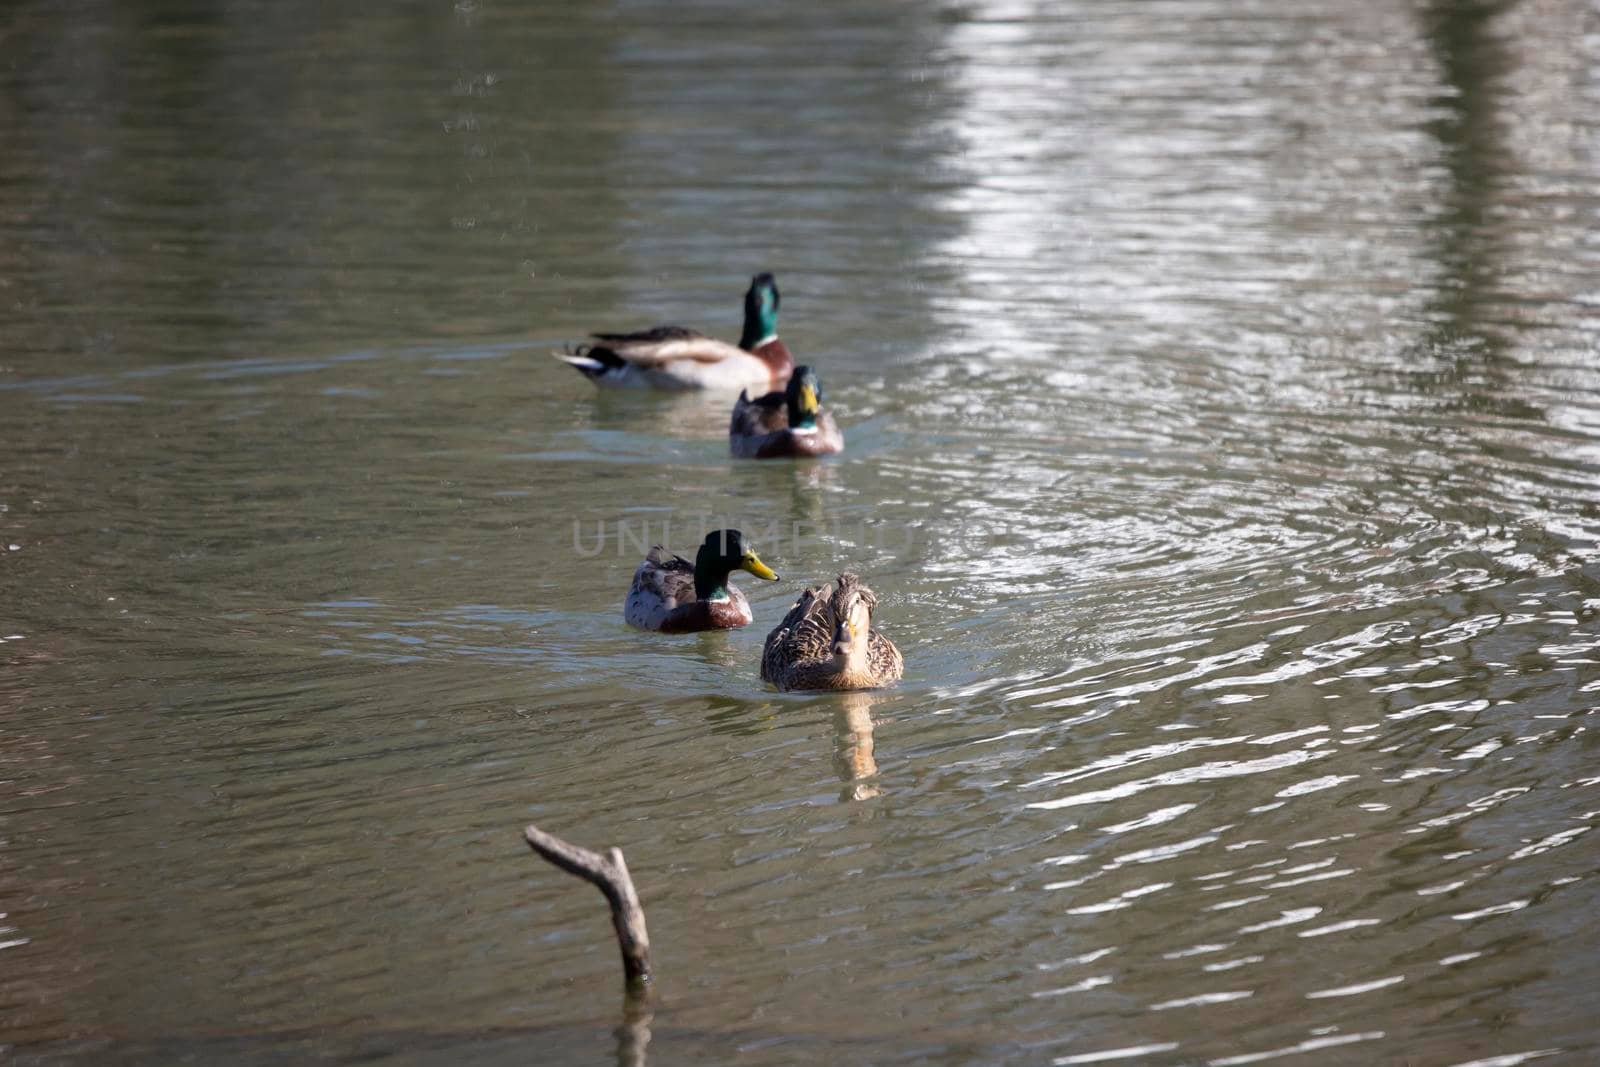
column 592, row 361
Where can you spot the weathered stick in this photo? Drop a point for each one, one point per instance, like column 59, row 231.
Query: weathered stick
column 610, row 874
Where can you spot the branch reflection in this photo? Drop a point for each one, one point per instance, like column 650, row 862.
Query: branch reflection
column 633, row 1032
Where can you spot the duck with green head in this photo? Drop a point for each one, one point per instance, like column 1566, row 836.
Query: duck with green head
column 676, row 596
column 787, row 422
column 674, row 357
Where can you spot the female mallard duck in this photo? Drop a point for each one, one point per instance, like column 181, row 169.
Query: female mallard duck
column 675, row 596
column 827, row 642
column 672, row 357
column 787, row 423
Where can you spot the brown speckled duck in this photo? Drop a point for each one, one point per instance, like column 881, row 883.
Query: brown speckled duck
column 790, row 422
column 676, row 596
column 674, row 357
column 827, row 642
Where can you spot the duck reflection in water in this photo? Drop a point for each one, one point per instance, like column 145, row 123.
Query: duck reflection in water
column 853, row 758
column 692, row 417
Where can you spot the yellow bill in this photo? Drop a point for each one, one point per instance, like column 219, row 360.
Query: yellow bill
column 752, row 563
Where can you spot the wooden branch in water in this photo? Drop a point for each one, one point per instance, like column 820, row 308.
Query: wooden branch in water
column 610, row 874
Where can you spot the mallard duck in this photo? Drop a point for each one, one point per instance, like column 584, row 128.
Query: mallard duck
column 827, row 642
column 673, row 357
column 786, row 423
column 676, row 596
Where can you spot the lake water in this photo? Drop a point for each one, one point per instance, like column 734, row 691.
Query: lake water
column 1222, row 400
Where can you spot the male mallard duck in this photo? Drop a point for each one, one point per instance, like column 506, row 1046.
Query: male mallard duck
column 676, row 596
column 827, row 642
column 672, row 357
column 787, row 423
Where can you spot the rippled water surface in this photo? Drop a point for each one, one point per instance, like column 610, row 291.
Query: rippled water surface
column 1223, row 405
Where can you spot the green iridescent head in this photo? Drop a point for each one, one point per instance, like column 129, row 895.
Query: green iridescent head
column 722, row 553
column 760, row 311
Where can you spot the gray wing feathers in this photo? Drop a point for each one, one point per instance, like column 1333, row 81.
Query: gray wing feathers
column 659, row 585
column 754, row 418
column 655, row 353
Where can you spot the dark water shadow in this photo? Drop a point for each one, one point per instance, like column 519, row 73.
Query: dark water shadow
column 1468, row 348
